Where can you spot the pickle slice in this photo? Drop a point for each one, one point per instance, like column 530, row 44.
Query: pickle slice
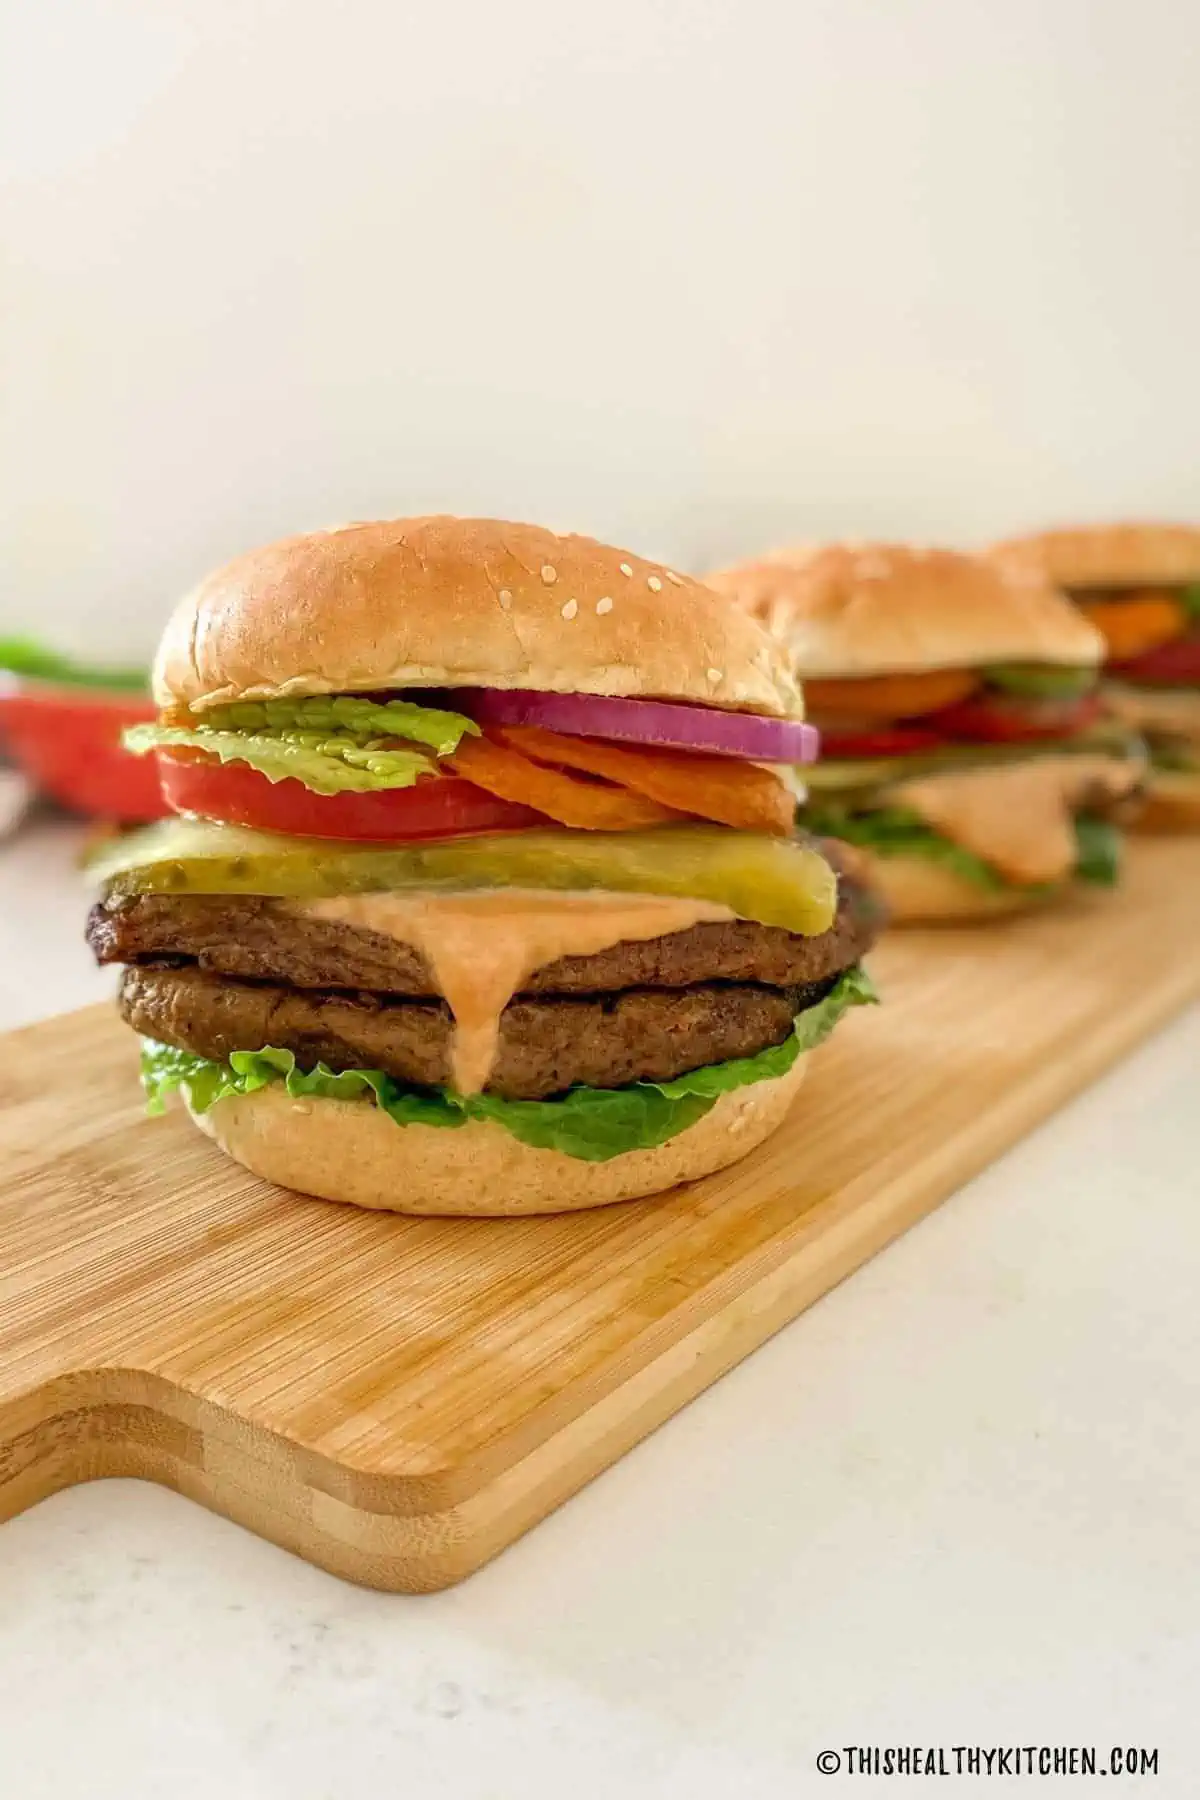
column 774, row 881
column 833, row 775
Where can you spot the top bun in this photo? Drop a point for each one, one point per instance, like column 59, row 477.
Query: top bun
column 1101, row 556
column 443, row 602
column 883, row 609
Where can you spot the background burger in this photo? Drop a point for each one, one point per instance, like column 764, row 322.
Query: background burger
column 1140, row 587
column 964, row 752
column 486, row 897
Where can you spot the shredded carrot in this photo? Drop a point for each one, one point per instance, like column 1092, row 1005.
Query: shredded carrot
column 711, row 787
column 889, row 696
column 1142, row 620
column 590, row 805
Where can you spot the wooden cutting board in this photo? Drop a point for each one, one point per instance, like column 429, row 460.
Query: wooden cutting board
column 397, row 1399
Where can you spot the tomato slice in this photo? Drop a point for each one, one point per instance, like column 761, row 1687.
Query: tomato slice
column 235, row 794
column 1177, row 663
column 1013, row 719
column 68, row 742
column 900, row 740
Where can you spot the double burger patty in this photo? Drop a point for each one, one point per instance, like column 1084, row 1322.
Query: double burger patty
column 216, row 973
column 545, row 1046
column 265, row 940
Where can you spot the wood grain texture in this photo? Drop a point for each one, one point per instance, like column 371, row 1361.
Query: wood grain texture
column 396, row 1399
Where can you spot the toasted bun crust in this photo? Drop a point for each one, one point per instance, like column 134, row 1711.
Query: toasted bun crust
column 920, row 892
column 1083, row 556
column 351, row 1151
column 885, row 609
column 443, row 602
column 1172, row 802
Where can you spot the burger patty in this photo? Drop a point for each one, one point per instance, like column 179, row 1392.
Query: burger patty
column 265, row 940
column 546, row 1045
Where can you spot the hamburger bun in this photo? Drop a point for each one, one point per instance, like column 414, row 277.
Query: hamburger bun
column 1107, row 556
column 443, row 602
column 888, row 609
column 918, row 891
column 1171, row 802
column 352, row 1151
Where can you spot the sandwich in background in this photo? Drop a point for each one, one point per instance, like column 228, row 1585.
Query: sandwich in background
column 964, row 752
column 487, row 897
column 1140, row 586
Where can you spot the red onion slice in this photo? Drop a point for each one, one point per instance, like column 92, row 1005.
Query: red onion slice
column 655, row 722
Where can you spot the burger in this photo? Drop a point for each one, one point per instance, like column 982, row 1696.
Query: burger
column 1140, row 587
column 484, row 893
column 965, row 753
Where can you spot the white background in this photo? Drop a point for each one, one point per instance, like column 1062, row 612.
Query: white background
column 694, row 274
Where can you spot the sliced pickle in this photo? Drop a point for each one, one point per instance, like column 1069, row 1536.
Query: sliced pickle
column 837, row 775
column 775, row 881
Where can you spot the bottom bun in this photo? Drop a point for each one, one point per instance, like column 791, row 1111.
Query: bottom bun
column 349, row 1150
column 1172, row 802
column 920, row 892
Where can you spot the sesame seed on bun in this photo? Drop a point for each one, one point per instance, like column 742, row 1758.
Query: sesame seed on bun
column 444, row 602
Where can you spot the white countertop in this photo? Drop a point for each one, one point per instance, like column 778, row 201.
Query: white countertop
column 957, row 1503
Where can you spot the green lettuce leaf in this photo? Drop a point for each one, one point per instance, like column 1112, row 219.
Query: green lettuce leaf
column 333, row 743
column 895, row 831
column 366, row 719
column 1191, row 600
column 1098, row 850
column 1041, row 681
column 593, row 1124
column 326, row 762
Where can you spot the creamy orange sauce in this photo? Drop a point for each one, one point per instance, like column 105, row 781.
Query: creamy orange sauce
column 1019, row 818
column 483, row 946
